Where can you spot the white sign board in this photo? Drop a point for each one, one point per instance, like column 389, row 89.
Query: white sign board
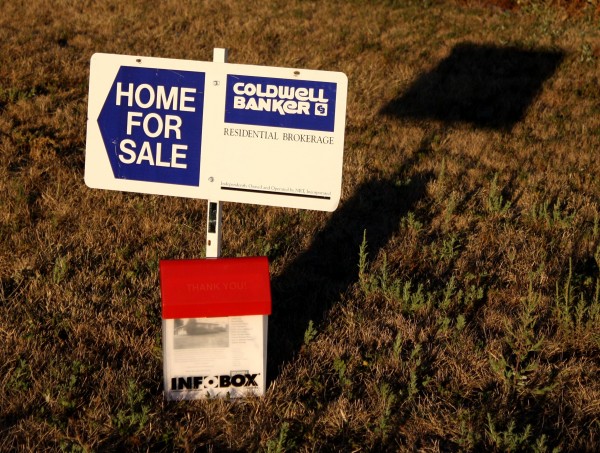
column 218, row 131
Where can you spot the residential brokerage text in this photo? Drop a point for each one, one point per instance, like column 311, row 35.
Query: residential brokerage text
column 276, row 135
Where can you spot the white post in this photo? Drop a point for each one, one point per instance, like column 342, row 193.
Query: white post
column 214, row 207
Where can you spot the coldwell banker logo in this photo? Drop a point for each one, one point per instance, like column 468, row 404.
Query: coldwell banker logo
column 289, row 103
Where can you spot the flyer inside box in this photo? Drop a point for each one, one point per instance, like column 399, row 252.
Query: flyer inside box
column 208, row 357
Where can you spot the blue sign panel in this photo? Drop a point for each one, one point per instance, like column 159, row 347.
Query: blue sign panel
column 289, row 103
column 151, row 125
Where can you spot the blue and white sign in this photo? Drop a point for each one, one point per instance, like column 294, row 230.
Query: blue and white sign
column 287, row 103
column 151, row 125
column 218, row 131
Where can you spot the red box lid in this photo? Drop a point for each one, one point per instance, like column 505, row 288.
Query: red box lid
column 214, row 287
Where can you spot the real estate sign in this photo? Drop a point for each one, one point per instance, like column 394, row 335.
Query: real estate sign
column 219, row 131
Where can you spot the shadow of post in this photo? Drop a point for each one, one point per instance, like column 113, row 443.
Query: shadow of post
column 486, row 86
column 313, row 282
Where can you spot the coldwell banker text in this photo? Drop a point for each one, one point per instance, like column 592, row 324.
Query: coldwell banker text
column 288, row 103
column 279, row 98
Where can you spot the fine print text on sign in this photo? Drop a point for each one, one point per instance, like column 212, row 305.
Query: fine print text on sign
column 248, row 134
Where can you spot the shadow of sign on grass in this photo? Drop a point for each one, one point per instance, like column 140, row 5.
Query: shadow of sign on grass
column 488, row 86
column 314, row 281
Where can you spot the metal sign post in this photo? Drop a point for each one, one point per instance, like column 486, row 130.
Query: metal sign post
column 215, row 208
column 213, row 229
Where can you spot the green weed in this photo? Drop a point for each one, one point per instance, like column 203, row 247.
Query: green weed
column 587, row 54
column 495, row 202
column 72, row 446
column 411, row 299
column 283, row 443
column 509, row 439
column 468, row 437
column 449, row 210
column 384, row 274
column 514, row 439
column 447, row 250
column 362, row 262
column 66, row 392
column 460, row 323
column 60, row 269
column 398, row 343
column 20, row 379
column 135, row 415
column 13, row 94
column 520, row 368
column 340, row 366
column 577, row 313
column 310, row 333
column 388, row 399
column 410, row 222
column 552, row 214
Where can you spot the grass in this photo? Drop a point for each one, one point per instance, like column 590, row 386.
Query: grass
column 451, row 303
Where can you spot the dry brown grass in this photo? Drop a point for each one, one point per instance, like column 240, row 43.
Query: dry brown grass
column 469, row 322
